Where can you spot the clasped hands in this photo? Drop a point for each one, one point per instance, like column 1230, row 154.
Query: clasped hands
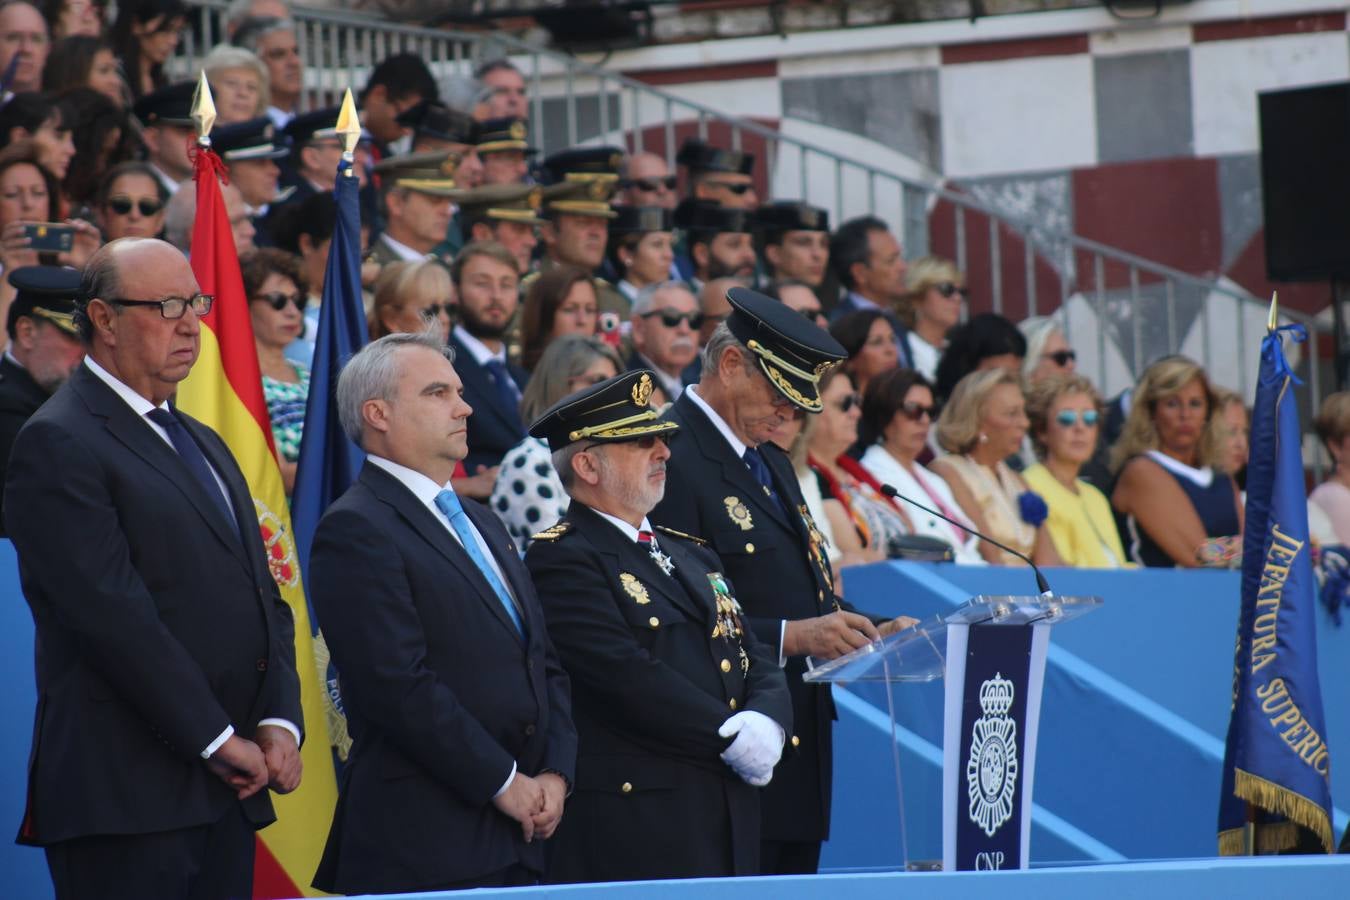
column 756, row 749
column 248, row 766
column 536, row 803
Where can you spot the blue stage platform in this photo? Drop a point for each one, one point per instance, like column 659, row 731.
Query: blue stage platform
column 1127, row 775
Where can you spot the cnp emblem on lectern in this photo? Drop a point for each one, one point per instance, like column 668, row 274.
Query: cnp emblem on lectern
column 991, row 770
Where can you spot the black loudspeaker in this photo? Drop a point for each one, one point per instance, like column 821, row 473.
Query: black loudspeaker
column 1305, row 176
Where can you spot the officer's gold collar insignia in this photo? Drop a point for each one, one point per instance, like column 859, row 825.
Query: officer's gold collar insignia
column 642, row 391
column 553, row 532
column 636, row 589
column 681, row 534
column 739, row 513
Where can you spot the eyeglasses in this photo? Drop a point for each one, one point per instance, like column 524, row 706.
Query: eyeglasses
column 672, row 319
column 948, row 290
column 172, row 307
column 916, row 411
column 849, row 401
column 1062, row 358
column 1067, row 417
column 652, row 184
column 278, row 300
column 122, row 206
column 736, row 188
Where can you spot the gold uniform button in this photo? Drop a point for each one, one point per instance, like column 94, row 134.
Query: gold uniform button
column 726, row 665
column 654, row 621
column 820, row 596
column 749, row 548
column 732, row 704
column 796, row 741
column 626, row 788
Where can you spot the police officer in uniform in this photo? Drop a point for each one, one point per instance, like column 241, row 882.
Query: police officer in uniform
column 730, row 484
column 681, row 712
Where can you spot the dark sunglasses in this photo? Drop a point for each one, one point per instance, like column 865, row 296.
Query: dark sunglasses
column 122, row 206
column 652, row 184
column 278, row 300
column 1067, row 417
column 849, row 401
column 434, row 310
column 736, row 189
column 673, row 319
column 1062, row 358
column 646, row 442
column 916, row 411
column 948, row 290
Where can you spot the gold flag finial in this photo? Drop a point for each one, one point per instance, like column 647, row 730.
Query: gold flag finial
column 349, row 126
column 1274, row 321
column 203, row 111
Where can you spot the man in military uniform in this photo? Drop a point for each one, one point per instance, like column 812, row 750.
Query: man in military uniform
column 167, row 130
column 730, row 484
column 505, row 213
column 44, row 348
column 681, row 712
column 250, row 154
column 795, row 241
column 722, row 176
column 417, row 192
column 718, row 242
column 504, row 147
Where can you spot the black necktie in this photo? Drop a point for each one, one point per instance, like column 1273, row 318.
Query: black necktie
column 193, row 457
column 760, row 470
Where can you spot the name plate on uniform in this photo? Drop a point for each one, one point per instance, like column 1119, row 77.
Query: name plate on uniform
column 995, row 674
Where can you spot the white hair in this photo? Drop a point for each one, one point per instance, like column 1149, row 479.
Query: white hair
column 646, row 297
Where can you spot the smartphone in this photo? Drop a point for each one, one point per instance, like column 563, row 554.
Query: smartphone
column 48, row 237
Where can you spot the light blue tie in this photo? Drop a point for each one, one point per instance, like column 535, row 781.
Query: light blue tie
column 448, row 503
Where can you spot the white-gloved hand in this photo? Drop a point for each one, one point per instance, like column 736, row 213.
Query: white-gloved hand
column 757, row 747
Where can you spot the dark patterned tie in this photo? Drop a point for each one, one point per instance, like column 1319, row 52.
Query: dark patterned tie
column 754, row 460
column 193, row 458
column 508, row 395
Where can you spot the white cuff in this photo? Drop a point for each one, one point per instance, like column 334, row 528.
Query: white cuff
column 782, row 636
column 283, row 723
column 506, row 784
column 218, row 742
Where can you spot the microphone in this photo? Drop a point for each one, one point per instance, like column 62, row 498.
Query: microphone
column 1041, row 583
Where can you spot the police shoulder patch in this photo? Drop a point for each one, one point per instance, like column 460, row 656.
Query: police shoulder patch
column 553, row 532
column 680, row 534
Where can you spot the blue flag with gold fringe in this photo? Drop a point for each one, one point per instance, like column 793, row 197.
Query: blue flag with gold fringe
column 1276, row 770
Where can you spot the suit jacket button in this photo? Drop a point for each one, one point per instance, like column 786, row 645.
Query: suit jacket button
column 796, row 741
column 732, row 704
column 654, row 621
column 726, row 665
column 262, row 665
column 749, row 548
column 529, row 730
column 626, row 787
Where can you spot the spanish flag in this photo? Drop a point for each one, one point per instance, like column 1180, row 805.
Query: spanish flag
column 224, row 391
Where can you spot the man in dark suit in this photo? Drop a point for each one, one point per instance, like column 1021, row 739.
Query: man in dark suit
column 487, row 281
column 869, row 263
column 44, row 348
column 681, row 712
column 730, row 484
column 167, row 689
column 463, row 746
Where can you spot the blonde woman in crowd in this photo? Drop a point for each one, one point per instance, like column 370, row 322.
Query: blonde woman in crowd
column 983, row 424
column 1065, row 414
column 408, row 295
column 1180, row 508
column 934, row 293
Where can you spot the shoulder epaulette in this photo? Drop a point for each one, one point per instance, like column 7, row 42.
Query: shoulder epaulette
column 680, row 534
column 553, row 532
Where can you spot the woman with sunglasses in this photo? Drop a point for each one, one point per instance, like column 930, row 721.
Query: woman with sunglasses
column 1065, row 414
column 274, row 283
column 935, row 291
column 1048, row 352
column 409, row 295
column 878, row 522
column 528, row 495
column 561, row 301
column 897, row 415
column 132, row 202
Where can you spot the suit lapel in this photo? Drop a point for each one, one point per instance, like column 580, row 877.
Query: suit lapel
column 137, row 435
column 388, row 489
column 241, row 501
column 508, row 560
column 735, row 472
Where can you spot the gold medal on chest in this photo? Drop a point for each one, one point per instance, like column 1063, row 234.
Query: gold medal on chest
column 636, row 589
column 739, row 513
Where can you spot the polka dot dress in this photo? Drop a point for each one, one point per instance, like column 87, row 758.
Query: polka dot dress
column 528, row 496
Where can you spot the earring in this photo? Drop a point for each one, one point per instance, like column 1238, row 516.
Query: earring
column 984, row 438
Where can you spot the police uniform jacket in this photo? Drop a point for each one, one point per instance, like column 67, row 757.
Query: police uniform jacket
column 653, row 679
column 20, row 397
column 774, row 555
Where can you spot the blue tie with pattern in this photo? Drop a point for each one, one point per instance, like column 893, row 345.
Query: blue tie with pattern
column 760, row 469
column 447, row 502
column 508, row 395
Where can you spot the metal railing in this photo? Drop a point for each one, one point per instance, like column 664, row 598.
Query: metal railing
column 1120, row 310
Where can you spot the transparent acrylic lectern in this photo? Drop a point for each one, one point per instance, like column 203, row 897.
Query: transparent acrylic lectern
column 919, row 654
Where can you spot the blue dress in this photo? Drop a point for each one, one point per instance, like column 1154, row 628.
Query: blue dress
column 1212, row 493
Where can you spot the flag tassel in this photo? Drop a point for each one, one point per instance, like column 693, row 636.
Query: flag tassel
column 1284, row 802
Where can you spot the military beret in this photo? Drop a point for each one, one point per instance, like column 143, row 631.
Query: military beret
column 507, row 133
column 641, row 220
column 790, row 215
column 47, row 292
column 614, row 411
column 698, row 156
column 792, row 352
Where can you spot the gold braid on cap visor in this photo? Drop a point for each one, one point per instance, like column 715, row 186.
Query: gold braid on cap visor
column 617, row 427
column 780, row 381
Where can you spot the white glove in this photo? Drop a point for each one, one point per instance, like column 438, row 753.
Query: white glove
column 757, row 748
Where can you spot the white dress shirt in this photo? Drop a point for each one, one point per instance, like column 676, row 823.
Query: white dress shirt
column 477, row 349
column 143, row 407
column 672, row 385
column 425, row 490
column 403, row 251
